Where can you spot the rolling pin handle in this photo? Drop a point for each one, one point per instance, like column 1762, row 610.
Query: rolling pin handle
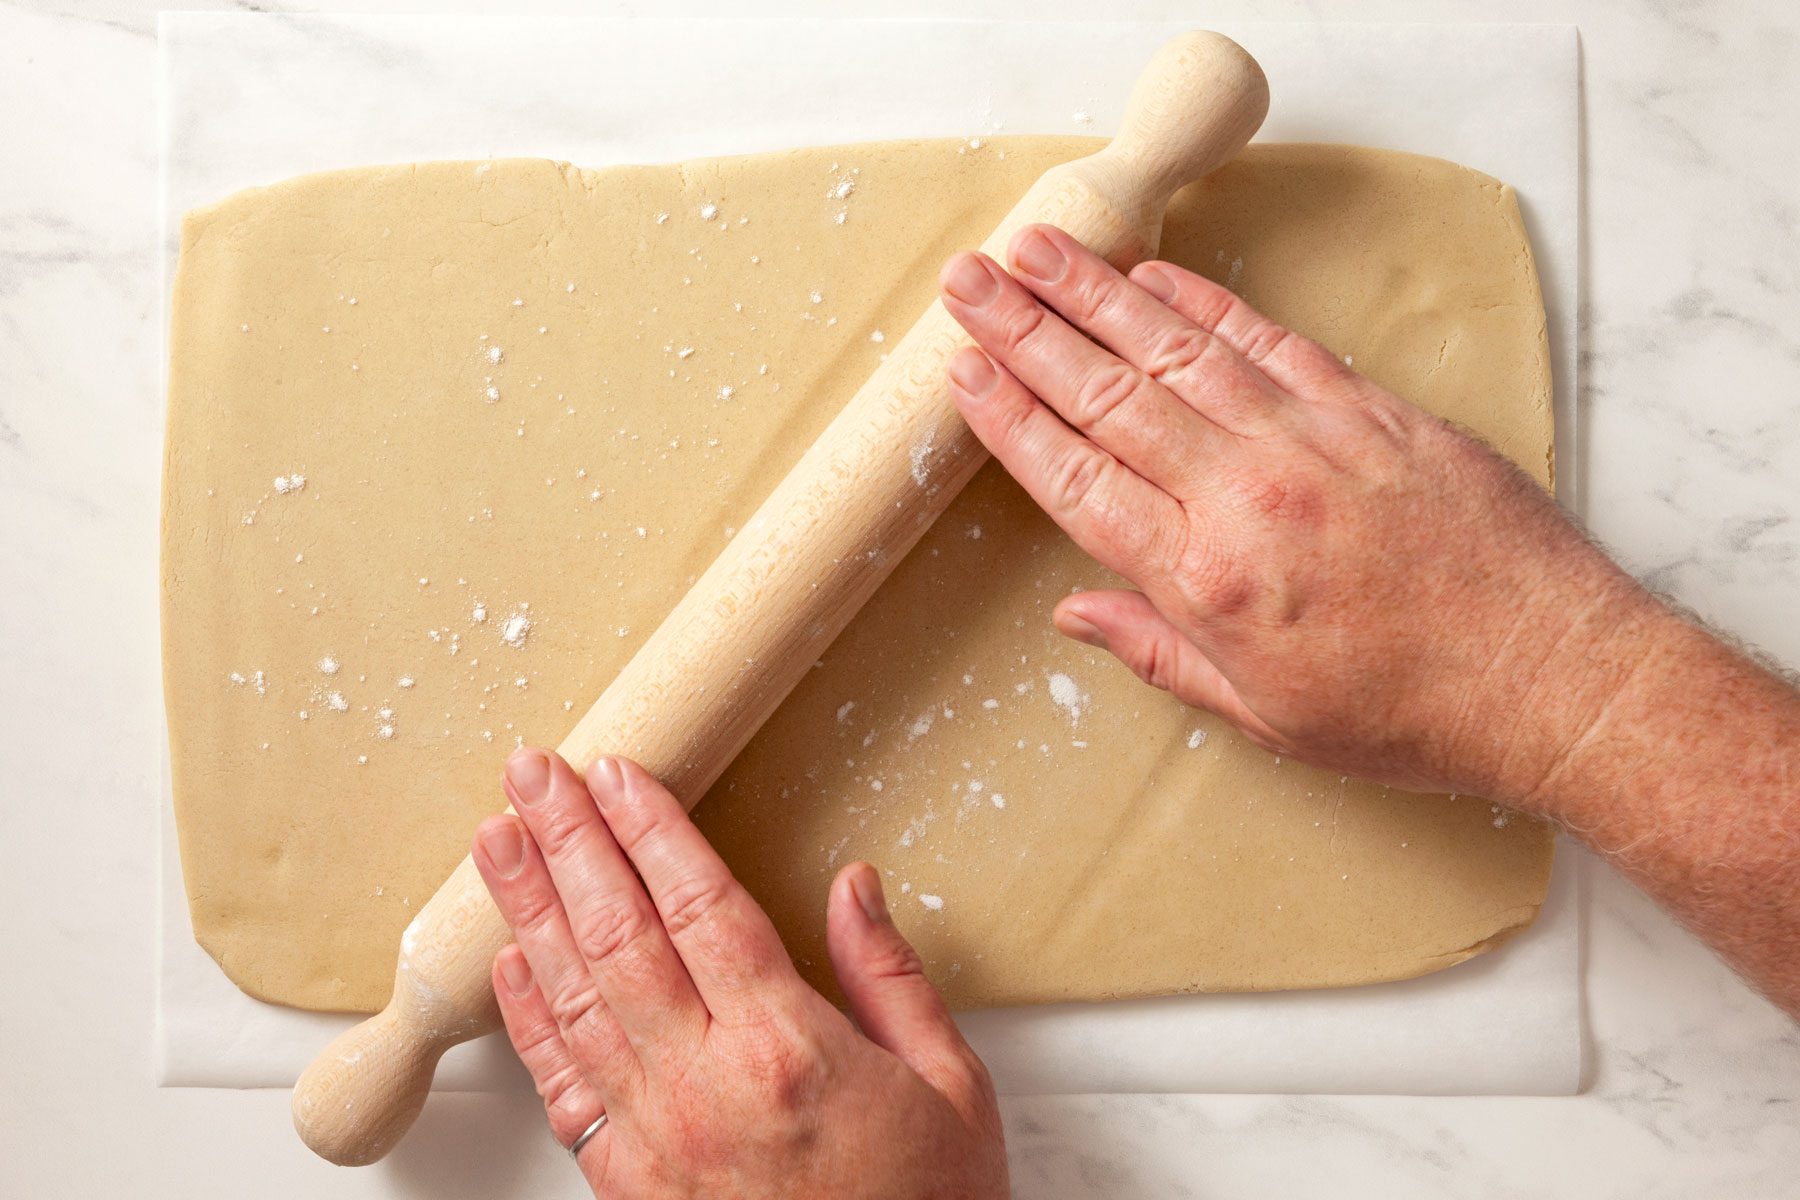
column 1194, row 107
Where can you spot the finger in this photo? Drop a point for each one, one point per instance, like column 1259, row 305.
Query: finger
column 1194, row 368
column 727, row 943
column 1299, row 365
column 891, row 1000
column 1118, row 517
column 571, row 1102
column 513, row 869
column 1129, row 414
column 614, row 927
column 1128, row 626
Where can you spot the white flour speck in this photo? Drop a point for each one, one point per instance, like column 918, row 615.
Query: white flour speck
column 336, row 702
column 1196, row 739
column 934, row 903
column 288, row 484
column 921, row 462
column 328, row 665
column 406, row 681
column 1068, row 695
column 998, row 799
column 726, row 391
column 479, row 615
column 708, row 211
column 877, row 336
column 495, row 354
column 516, row 629
column 843, row 712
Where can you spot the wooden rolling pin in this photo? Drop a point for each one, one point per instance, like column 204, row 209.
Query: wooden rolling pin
column 785, row 586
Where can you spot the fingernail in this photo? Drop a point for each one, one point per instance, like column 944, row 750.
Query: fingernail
column 529, row 773
column 1156, row 281
column 505, row 847
column 517, row 973
column 867, row 887
column 973, row 372
column 606, row 780
column 1082, row 630
column 1039, row 257
column 969, row 281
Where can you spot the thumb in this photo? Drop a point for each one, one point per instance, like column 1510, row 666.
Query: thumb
column 1128, row 626
column 893, row 1003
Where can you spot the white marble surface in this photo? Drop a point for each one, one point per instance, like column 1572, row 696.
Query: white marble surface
column 1692, row 444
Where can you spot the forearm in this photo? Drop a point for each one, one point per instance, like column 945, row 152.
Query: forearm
column 1685, row 773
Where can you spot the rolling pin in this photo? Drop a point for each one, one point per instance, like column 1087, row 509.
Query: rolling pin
column 785, row 586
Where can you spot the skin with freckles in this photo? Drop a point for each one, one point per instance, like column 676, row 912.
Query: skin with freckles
column 647, row 985
column 1353, row 582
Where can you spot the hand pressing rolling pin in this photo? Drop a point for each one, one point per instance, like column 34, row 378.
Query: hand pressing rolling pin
column 1343, row 577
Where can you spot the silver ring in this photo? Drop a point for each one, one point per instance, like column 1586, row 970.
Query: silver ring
column 586, row 1135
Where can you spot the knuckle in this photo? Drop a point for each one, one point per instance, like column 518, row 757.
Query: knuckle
column 559, row 830
column 531, row 1041
column 784, row 1068
column 1209, row 309
column 1105, row 389
column 694, row 901
column 1177, row 351
column 1153, row 661
column 1020, row 324
column 572, row 1003
column 1092, row 293
column 559, row 1091
column 1075, row 481
column 611, row 931
column 533, row 909
column 896, row 960
column 1266, row 341
column 1212, row 583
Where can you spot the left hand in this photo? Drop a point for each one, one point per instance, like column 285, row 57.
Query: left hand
column 647, row 985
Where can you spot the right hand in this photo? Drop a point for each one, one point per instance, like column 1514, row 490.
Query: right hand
column 1344, row 577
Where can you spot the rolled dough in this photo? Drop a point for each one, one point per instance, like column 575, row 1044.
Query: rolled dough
column 446, row 441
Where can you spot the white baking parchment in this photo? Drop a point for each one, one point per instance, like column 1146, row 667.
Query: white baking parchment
column 253, row 98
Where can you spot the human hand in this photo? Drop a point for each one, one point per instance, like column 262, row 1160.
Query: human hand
column 1344, row 577
column 647, row 985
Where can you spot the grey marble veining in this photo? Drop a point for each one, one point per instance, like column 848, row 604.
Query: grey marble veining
column 1690, row 471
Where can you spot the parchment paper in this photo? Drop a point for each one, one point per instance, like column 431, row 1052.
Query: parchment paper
column 251, row 99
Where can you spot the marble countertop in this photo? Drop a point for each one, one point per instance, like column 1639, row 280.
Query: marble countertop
column 1690, row 446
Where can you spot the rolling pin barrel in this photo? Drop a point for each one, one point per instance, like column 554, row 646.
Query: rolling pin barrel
column 785, row 586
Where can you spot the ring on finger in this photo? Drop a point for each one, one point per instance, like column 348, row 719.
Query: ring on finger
column 587, row 1135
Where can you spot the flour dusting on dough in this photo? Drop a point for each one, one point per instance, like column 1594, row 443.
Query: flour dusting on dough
column 1068, row 695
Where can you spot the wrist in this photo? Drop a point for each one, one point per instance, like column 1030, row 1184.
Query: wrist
column 1635, row 708
column 1594, row 654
